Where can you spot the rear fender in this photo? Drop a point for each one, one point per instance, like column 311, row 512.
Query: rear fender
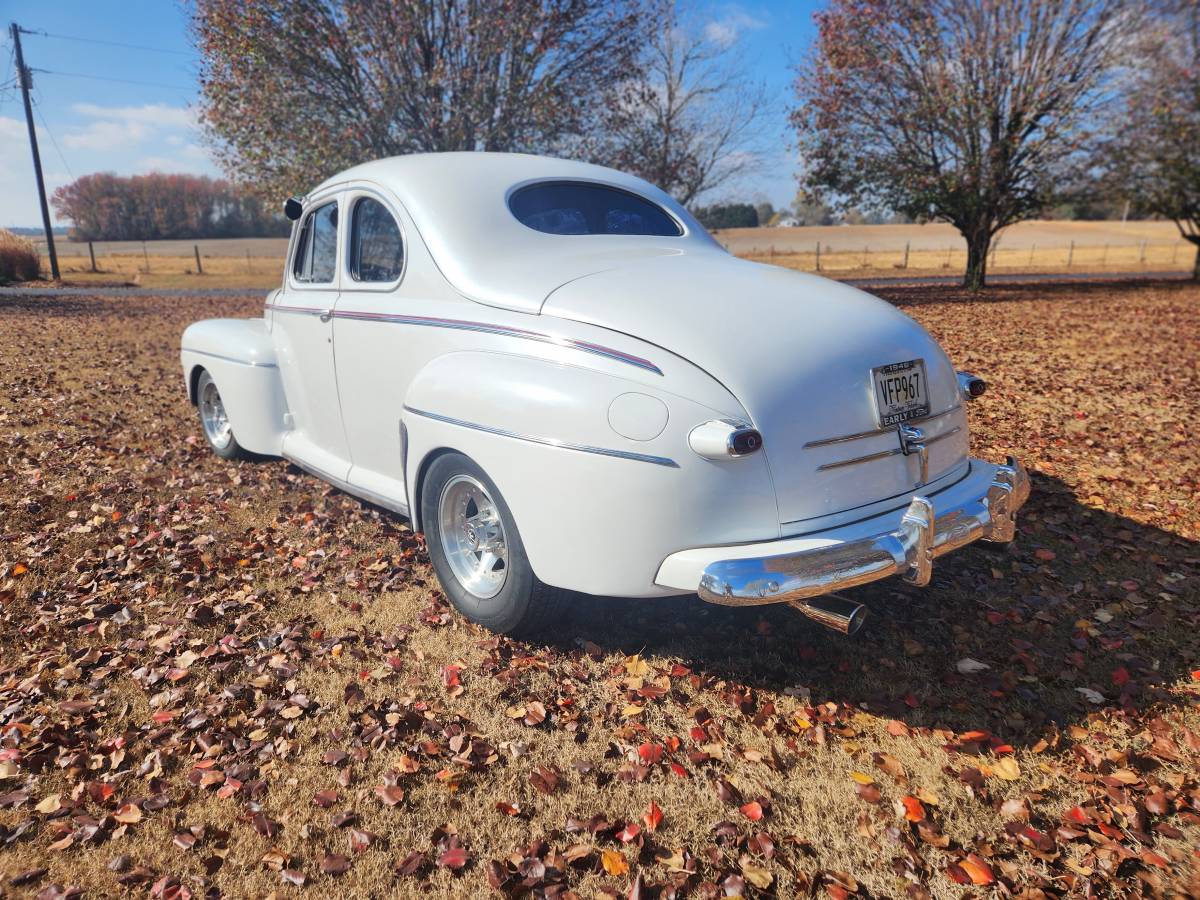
column 240, row 357
column 598, row 511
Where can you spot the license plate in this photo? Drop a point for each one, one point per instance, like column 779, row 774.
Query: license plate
column 901, row 392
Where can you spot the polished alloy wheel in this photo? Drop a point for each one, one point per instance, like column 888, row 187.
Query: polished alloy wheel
column 472, row 535
column 214, row 417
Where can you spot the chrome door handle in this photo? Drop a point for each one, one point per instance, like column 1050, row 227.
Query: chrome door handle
column 327, row 315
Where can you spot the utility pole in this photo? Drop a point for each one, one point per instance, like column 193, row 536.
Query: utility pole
column 23, row 78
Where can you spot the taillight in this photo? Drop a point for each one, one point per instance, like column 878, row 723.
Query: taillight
column 724, row 439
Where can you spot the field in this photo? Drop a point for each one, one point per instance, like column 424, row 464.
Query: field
column 231, row 677
column 863, row 251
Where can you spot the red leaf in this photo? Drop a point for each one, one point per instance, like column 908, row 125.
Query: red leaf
column 752, row 810
column 650, row 753
column 653, row 817
column 1120, row 676
column 454, row 858
column 629, row 833
column 914, row 810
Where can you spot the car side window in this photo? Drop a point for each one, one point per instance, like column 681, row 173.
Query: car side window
column 376, row 246
column 316, row 248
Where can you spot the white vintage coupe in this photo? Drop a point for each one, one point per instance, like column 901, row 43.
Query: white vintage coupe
column 566, row 383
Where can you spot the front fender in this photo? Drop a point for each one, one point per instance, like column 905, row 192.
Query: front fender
column 240, row 356
column 598, row 511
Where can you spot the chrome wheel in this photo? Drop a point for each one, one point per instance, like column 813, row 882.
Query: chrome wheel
column 472, row 536
column 213, row 415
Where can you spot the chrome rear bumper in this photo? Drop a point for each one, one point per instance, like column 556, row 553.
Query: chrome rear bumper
column 909, row 550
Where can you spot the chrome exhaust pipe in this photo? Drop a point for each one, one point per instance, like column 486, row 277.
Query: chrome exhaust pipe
column 833, row 611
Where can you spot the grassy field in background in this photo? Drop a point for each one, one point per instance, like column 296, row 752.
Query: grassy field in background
column 233, row 677
column 866, row 251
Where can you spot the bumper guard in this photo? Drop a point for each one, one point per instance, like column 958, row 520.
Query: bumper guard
column 908, row 551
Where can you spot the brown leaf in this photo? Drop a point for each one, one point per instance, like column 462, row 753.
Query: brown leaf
column 335, row 864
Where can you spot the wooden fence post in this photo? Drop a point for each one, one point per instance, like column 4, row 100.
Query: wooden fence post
column 818, row 256
column 1070, row 254
column 146, row 256
column 199, row 268
column 1142, row 254
column 1032, row 247
column 249, row 268
column 92, row 254
column 905, row 266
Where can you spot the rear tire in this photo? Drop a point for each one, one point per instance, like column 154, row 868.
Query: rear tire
column 215, row 421
column 477, row 552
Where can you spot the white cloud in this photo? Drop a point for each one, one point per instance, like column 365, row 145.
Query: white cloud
column 106, row 135
column 115, row 127
column 725, row 30
column 186, row 160
column 157, row 114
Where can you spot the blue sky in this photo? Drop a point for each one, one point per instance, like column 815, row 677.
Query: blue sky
column 106, row 122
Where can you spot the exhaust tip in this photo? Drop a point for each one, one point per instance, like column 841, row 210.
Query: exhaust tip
column 833, row 611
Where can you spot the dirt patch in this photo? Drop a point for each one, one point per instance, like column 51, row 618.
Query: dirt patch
column 232, row 678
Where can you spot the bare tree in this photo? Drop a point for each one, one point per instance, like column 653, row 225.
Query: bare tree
column 1153, row 154
column 967, row 111
column 690, row 121
column 294, row 90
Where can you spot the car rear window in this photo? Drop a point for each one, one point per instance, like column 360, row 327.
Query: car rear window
column 580, row 207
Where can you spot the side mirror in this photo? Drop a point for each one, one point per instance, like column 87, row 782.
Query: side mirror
column 293, row 208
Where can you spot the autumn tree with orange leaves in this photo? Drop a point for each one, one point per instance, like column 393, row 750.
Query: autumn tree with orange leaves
column 971, row 112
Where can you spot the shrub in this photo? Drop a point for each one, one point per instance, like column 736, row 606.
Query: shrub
column 19, row 260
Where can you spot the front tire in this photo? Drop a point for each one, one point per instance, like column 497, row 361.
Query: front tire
column 215, row 420
column 477, row 552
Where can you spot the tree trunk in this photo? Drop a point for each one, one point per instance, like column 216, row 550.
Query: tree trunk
column 1196, row 264
column 978, row 244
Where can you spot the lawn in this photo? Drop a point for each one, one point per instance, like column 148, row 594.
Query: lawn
column 231, row 678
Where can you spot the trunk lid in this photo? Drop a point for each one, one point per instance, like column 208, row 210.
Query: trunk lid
column 797, row 351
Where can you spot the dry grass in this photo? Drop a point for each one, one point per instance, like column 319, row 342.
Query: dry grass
column 173, row 272
column 882, row 263
column 128, row 547
column 18, row 259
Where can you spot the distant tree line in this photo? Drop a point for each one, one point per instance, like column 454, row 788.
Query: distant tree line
column 727, row 215
column 107, row 207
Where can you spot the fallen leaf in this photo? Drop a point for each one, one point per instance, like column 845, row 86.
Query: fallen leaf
column 614, row 862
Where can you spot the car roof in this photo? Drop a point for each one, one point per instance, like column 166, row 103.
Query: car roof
column 459, row 204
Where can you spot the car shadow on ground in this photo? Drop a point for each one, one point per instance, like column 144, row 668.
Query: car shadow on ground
column 1087, row 611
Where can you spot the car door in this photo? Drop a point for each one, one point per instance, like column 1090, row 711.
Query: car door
column 374, row 351
column 302, row 325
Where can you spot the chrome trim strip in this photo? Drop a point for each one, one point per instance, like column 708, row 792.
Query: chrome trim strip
column 483, row 327
column 298, row 310
column 877, row 431
column 346, row 487
column 240, row 362
column 549, row 442
column 896, row 452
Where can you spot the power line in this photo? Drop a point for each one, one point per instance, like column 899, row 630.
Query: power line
column 83, row 40
column 37, row 106
column 171, row 87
